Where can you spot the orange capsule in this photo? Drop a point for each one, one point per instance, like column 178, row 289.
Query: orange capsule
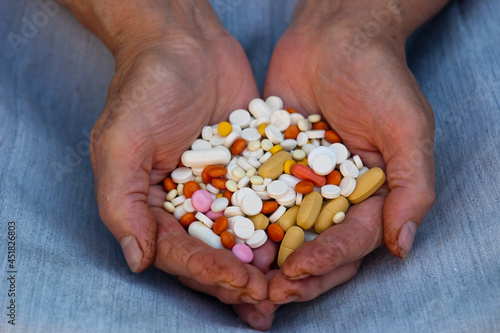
column 305, row 173
column 219, row 183
column 205, row 176
column 220, row 225
column 190, row 187
column 304, row 187
column 227, row 240
column 269, row 207
column 333, row 178
column 187, row 219
column 291, row 110
column 292, row 132
column 238, row 146
column 320, row 125
column 275, row 232
column 332, row 137
column 228, row 194
column 217, row 171
column 169, row 184
column 180, row 165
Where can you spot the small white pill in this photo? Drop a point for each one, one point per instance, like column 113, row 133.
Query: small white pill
column 309, row 235
column 316, row 134
column 260, row 121
column 217, row 140
column 251, row 205
column 323, row 164
column 247, row 153
column 219, row 204
column 266, row 144
column 253, row 145
column 254, row 162
column 197, row 171
column 280, row 119
column 298, row 155
column 267, row 181
column 288, row 144
column 290, row 180
column 304, row 125
column 339, row 217
column 263, row 195
column 258, row 239
column 295, row 118
column 238, row 172
column 251, row 172
column 205, row 234
column 198, row 158
column 275, row 103
column 240, row 117
column 315, row 142
column 259, row 188
column 180, row 189
column 320, row 151
column 169, row 207
column 298, row 199
column 277, row 214
column 233, row 211
column 243, row 228
column 363, row 170
column 257, row 180
column 330, row 191
column 348, row 168
column 273, row 134
column 265, row 157
column 231, row 186
column 188, row 206
column 212, row 189
column 314, row 118
column 277, row 189
column 347, row 186
column 357, row 161
column 178, row 200
column 179, row 212
column 250, row 134
column 243, row 182
column 340, row 151
column 200, row 145
column 206, row 133
column 171, row 195
column 231, row 138
column 302, row 138
column 258, row 108
column 182, row 175
column 242, row 162
column 288, row 200
column 307, row 148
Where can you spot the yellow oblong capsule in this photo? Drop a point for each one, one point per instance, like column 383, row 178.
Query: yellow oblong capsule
column 366, row 185
column 294, row 238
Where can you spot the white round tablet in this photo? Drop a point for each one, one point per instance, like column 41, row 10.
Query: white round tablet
column 206, row 132
column 295, row 117
column 316, row 134
column 178, row 200
column 277, row 214
column 288, row 144
column 363, row 170
column 243, row 228
column 275, row 103
column 273, row 134
column 323, row 164
column 330, row 191
column 188, row 206
column 302, row 138
column 200, row 145
column 219, row 204
column 182, row 175
column 251, row 205
column 357, row 161
column 204, row 219
column 240, row 117
column 277, row 189
column 250, row 134
column 288, row 200
column 258, row 239
column 320, row 151
column 347, row 186
column 340, row 151
column 232, row 211
column 348, row 168
column 298, row 199
column 280, row 119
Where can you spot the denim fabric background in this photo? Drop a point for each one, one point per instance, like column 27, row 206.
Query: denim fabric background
column 72, row 276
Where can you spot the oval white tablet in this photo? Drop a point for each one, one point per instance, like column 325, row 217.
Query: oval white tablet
column 302, row 138
column 200, row 145
column 275, row 103
column 330, row 191
column 277, row 214
column 347, row 186
column 251, row 205
column 240, row 117
column 250, row 134
column 340, row 151
column 205, row 234
column 232, row 211
column 258, row 108
column 188, row 206
column 320, row 151
column 357, row 161
column 204, row 219
column 280, row 119
column 243, row 228
column 277, row 189
column 273, row 134
column 348, row 168
column 288, row 144
column 258, row 239
column 198, row 158
column 323, row 164
column 182, row 175
column 219, row 204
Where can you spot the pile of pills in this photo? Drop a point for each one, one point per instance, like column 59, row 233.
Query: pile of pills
column 267, row 173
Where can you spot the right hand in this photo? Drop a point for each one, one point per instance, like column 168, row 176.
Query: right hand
column 164, row 91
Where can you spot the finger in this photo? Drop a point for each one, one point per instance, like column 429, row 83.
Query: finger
column 359, row 234
column 156, row 196
column 410, row 178
column 264, row 256
column 253, row 292
column 254, row 318
column 122, row 184
column 180, row 254
column 283, row 290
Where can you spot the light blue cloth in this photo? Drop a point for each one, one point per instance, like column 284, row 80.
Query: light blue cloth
column 71, row 274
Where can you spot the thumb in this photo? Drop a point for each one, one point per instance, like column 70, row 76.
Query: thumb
column 410, row 178
column 122, row 187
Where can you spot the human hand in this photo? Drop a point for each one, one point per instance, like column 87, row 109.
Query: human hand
column 170, row 81
column 371, row 99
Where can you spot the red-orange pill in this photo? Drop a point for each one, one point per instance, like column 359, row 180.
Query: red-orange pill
column 269, row 207
column 227, row 240
column 292, row 132
column 291, row 110
column 228, row 194
column 332, row 137
column 320, row 125
column 217, row 171
column 304, row 187
column 275, row 232
column 305, row 173
column 187, row 219
column 220, row 225
column 169, row 184
column 205, row 176
column 219, row 183
column 190, row 187
column 238, row 146
column 333, row 178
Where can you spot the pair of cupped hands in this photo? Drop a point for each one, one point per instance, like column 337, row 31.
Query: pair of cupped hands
column 166, row 89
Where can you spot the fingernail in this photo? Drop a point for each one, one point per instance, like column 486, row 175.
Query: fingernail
column 298, row 277
column 289, row 299
column 270, row 310
column 245, row 298
column 406, row 236
column 132, row 252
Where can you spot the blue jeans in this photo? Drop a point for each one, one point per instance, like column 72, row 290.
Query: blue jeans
column 71, row 275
